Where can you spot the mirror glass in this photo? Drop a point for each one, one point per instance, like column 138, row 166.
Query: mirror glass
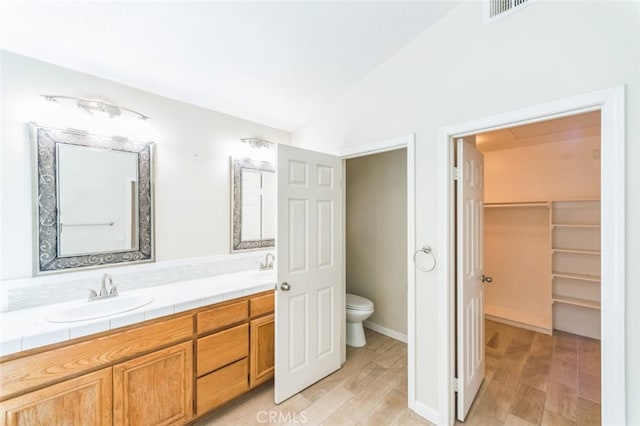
column 97, row 203
column 94, row 200
column 254, row 204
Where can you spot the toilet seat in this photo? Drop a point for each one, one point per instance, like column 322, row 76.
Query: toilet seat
column 358, row 303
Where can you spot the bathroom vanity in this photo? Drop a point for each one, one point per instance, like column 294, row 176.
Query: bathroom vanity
column 168, row 370
column 184, row 339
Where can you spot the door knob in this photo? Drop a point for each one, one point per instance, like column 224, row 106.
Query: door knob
column 486, row 279
column 285, row 286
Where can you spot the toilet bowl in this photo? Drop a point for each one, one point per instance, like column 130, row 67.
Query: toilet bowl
column 358, row 310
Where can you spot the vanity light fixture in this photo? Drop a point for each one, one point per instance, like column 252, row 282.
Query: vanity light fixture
column 93, row 106
column 257, row 142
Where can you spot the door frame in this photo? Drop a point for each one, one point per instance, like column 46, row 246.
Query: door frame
column 611, row 103
column 407, row 142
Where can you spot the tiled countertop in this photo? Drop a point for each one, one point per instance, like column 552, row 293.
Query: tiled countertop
column 28, row 328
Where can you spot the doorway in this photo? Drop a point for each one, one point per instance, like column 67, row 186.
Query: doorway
column 376, row 237
column 316, row 237
column 610, row 102
column 542, row 224
column 406, row 143
column 540, row 285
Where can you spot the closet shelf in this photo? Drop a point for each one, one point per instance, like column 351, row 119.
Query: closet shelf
column 585, row 303
column 574, row 276
column 572, row 225
column 576, row 251
column 523, row 204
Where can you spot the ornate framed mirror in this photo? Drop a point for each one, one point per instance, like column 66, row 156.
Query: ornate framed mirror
column 93, row 200
column 253, row 204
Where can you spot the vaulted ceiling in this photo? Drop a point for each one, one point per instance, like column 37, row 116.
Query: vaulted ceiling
column 276, row 63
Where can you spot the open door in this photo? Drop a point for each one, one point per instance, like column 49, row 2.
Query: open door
column 469, row 269
column 309, row 294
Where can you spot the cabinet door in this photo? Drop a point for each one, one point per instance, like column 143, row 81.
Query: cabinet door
column 85, row 400
column 155, row 389
column 262, row 350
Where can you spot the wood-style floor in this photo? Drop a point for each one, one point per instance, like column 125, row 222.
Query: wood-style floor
column 535, row 379
column 530, row 378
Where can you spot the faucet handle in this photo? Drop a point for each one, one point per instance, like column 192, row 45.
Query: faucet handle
column 104, row 291
column 92, row 293
column 262, row 266
column 114, row 290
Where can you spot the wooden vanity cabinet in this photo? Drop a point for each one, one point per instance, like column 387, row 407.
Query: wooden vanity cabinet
column 73, row 383
column 85, row 400
column 144, row 374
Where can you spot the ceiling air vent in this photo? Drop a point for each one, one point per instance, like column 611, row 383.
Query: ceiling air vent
column 495, row 9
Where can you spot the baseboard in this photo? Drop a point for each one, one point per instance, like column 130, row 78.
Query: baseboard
column 386, row 331
column 425, row 412
column 543, row 330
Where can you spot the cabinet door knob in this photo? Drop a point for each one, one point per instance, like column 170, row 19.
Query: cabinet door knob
column 486, row 279
column 285, row 286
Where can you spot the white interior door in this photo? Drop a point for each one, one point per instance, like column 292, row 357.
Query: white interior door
column 469, row 258
column 309, row 296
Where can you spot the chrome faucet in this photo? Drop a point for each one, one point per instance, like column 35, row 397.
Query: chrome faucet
column 268, row 264
column 110, row 291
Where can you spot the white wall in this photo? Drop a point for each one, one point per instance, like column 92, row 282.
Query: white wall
column 551, row 171
column 376, row 233
column 192, row 173
column 461, row 69
column 517, row 255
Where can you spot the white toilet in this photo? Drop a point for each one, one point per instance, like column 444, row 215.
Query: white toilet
column 358, row 309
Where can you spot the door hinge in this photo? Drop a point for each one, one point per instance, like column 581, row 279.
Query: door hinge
column 455, row 384
column 456, row 173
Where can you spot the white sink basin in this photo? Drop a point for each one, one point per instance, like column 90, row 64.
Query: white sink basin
column 267, row 275
column 99, row 308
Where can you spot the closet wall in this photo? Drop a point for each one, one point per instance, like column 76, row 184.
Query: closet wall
column 551, row 171
column 519, row 184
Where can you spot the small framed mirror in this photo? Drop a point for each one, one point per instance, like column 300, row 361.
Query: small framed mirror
column 93, row 200
column 253, row 204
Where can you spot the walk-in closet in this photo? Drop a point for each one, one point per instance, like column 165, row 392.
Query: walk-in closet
column 542, row 225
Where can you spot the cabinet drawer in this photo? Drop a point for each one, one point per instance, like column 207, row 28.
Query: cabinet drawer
column 222, row 348
column 261, row 305
column 221, row 386
column 223, row 316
